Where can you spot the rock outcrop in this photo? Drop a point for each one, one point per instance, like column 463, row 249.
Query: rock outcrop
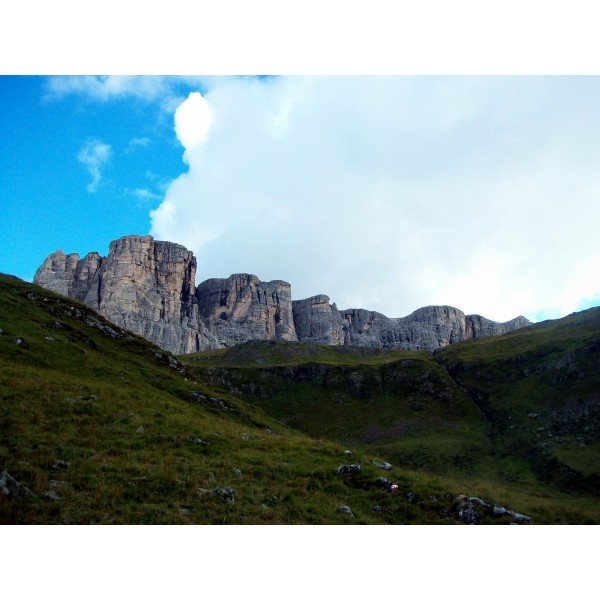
column 317, row 321
column 427, row 328
column 144, row 286
column 242, row 308
column 148, row 287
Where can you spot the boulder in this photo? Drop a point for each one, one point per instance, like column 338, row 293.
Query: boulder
column 347, row 469
column 386, row 466
column 11, row 488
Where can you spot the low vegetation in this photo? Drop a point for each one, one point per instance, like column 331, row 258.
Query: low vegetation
column 103, row 427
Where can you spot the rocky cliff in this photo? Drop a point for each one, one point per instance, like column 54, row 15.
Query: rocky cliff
column 148, row 287
column 243, row 308
column 142, row 285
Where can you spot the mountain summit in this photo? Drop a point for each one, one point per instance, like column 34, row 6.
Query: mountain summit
column 148, row 287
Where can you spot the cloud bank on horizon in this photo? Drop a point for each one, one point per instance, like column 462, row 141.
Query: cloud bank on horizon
column 392, row 193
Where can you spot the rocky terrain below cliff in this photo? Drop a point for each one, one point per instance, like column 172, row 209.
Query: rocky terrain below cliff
column 148, row 287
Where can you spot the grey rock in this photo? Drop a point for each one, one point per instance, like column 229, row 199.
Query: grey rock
column 143, row 286
column 242, row 308
column 226, row 494
column 411, row 498
column 218, row 402
column 345, row 510
column 467, row 513
column 377, row 509
column 500, row 511
column 427, row 328
column 348, row 452
column 382, row 465
column 477, row 326
column 11, row 488
column 147, row 287
column 478, row 501
column 317, row 321
column 140, row 429
column 57, row 272
column 347, row 469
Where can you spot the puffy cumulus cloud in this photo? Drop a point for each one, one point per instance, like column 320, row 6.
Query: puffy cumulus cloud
column 394, row 193
column 192, row 121
column 94, row 155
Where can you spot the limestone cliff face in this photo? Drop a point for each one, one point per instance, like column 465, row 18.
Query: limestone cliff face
column 147, row 286
column 242, row 308
column 425, row 329
column 478, row 326
column 142, row 285
column 317, row 321
column 56, row 272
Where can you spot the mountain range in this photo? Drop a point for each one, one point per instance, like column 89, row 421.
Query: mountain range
column 148, row 287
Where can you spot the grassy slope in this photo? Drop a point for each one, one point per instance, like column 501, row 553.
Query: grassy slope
column 395, row 402
column 121, row 416
column 540, row 389
column 465, row 414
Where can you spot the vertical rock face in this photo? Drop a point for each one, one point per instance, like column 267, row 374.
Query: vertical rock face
column 56, row 272
column 424, row 329
column 242, row 308
column 478, row 326
column 142, row 285
column 147, row 286
column 317, row 321
column 84, row 274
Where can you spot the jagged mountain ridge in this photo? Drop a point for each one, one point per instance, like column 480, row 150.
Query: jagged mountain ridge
column 148, row 287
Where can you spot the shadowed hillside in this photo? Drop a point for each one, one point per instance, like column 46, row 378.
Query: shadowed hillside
column 98, row 425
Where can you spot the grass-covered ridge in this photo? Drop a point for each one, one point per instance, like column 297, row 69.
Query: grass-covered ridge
column 103, row 427
column 517, row 413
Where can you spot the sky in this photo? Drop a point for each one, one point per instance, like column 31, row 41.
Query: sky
column 387, row 193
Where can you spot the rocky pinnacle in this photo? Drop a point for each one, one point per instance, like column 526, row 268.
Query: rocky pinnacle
column 148, row 287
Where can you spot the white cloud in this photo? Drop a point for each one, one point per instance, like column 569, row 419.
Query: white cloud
column 143, row 194
column 138, row 142
column 94, row 155
column 394, row 193
column 192, row 121
column 108, row 87
column 163, row 90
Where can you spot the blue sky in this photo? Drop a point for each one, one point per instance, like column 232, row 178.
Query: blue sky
column 44, row 185
column 386, row 193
